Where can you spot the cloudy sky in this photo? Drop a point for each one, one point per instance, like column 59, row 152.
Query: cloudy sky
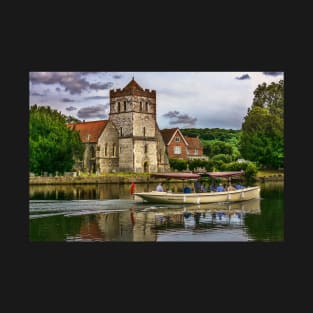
column 184, row 99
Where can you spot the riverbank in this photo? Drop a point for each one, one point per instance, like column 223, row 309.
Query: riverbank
column 270, row 175
column 62, row 180
column 123, row 179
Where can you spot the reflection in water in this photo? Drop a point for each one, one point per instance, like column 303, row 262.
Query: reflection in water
column 131, row 220
column 78, row 192
column 67, row 214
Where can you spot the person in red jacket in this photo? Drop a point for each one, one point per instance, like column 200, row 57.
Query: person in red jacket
column 132, row 187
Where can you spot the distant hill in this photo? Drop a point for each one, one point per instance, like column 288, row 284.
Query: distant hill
column 205, row 134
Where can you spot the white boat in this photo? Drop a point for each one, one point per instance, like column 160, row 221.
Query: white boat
column 246, row 193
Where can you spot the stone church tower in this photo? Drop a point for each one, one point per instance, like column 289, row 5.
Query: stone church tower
column 140, row 143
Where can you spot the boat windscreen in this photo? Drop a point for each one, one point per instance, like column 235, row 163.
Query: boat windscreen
column 225, row 174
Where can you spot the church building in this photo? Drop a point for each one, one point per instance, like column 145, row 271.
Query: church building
column 130, row 140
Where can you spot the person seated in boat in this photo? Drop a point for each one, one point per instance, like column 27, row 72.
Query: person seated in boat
column 220, row 188
column 203, row 188
column 197, row 186
column 159, row 187
column 238, row 186
column 230, row 188
column 187, row 189
column 212, row 188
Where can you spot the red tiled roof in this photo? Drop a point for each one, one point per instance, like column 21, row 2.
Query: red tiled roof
column 133, row 85
column 167, row 134
column 92, row 130
column 193, row 142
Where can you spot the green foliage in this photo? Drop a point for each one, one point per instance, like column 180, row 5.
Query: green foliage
column 217, row 140
column 226, row 158
column 210, row 134
column 193, row 164
column 262, row 138
column 178, row 164
column 249, row 168
column 72, row 119
column 209, row 166
column 52, row 145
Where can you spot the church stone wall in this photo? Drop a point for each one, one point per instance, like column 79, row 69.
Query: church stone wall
column 126, row 155
column 131, row 135
column 107, row 163
column 163, row 160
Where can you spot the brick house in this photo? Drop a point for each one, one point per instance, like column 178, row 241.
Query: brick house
column 195, row 148
column 182, row 147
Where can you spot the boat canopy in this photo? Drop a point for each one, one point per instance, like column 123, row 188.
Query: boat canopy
column 224, row 174
column 182, row 176
column 189, row 176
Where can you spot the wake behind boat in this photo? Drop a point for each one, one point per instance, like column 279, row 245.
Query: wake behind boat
column 246, row 193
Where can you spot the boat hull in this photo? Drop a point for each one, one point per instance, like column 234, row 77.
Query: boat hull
column 198, row 198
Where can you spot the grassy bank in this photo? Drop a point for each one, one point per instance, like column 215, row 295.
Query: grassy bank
column 126, row 178
column 269, row 175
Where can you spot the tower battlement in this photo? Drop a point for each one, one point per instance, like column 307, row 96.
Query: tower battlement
column 132, row 89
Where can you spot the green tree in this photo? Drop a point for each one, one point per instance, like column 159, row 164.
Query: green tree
column 72, row 119
column 178, row 164
column 52, row 145
column 262, row 136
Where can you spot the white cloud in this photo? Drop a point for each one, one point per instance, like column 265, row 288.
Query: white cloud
column 214, row 99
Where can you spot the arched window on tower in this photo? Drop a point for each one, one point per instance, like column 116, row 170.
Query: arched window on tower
column 114, row 149
column 147, row 107
column 146, row 167
column 119, row 107
column 106, row 149
column 140, row 107
column 160, row 156
column 125, row 106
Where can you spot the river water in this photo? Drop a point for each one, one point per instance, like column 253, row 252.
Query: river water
column 107, row 212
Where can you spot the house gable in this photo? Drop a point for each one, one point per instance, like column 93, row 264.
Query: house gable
column 176, row 143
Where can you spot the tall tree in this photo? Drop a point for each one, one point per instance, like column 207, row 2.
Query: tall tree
column 52, row 145
column 262, row 138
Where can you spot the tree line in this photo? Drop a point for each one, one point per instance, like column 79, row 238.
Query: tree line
column 261, row 137
column 53, row 147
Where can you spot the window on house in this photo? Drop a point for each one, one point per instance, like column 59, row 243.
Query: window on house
column 121, row 131
column 147, row 106
column 125, row 106
column 177, row 139
column 119, row 107
column 140, row 106
column 177, row 150
column 196, row 151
